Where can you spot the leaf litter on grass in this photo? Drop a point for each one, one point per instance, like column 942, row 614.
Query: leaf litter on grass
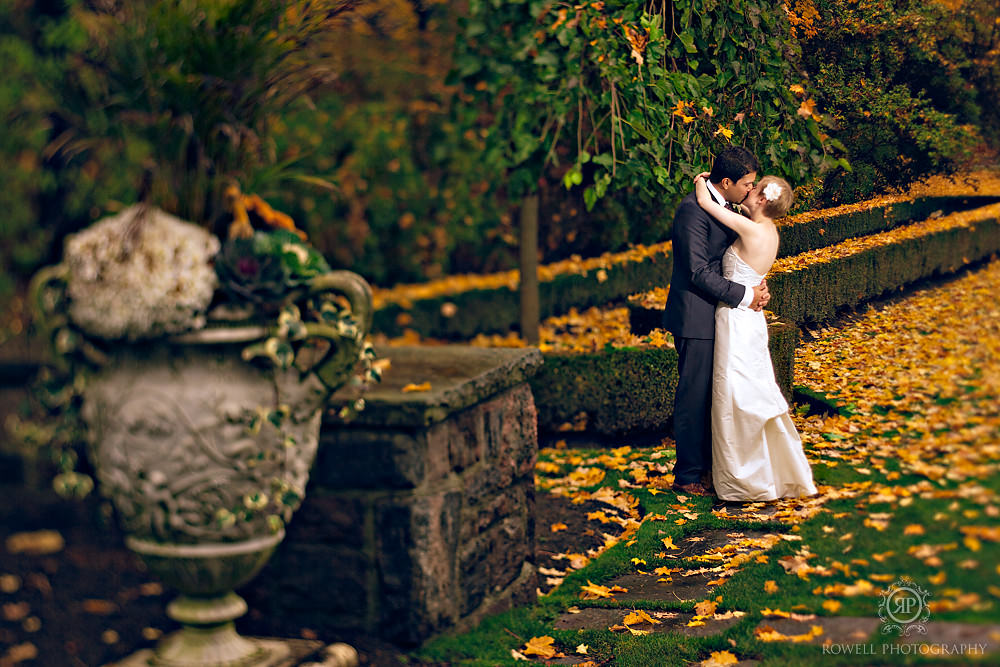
column 917, row 385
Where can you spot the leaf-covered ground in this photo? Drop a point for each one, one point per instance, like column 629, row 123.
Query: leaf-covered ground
column 907, row 469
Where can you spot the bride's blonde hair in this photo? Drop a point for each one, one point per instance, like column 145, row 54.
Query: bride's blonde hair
column 777, row 207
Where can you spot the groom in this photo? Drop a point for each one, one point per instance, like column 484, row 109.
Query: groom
column 696, row 286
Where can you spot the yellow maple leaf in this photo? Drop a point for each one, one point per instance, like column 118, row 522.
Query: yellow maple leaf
column 807, row 108
column 582, row 649
column 724, row 131
column 668, row 542
column 972, row 543
column 766, row 633
column 424, row 386
column 548, row 467
column 705, row 607
column 770, row 586
column 913, row 529
column 832, row 606
column 719, row 659
column 556, row 527
column 542, row 647
column 767, row 611
column 797, row 89
column 592, row 591
column 639, row 616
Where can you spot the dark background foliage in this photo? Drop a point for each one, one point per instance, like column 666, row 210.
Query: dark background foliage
column 402, row 134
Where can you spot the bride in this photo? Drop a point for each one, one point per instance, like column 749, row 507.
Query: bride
column 756, row 451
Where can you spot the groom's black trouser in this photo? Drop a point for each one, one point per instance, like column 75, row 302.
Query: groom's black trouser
column 693, row 409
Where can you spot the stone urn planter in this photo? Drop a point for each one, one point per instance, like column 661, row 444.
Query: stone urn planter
column 204, row 440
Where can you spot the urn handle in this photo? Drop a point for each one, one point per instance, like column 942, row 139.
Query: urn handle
column 334, row 367
column 50, row 310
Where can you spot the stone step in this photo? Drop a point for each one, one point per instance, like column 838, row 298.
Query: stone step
column 683, row 622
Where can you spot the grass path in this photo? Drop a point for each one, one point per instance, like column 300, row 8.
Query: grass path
column 909, row 481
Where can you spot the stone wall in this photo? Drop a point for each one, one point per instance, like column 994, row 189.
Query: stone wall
column 419, row 514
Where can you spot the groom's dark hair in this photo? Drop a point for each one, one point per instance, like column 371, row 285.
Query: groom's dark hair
column 733, row 163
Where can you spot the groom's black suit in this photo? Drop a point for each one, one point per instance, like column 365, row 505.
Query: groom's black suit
column 696, row 286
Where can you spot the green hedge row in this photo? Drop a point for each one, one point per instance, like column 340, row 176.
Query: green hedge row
column 496, row 310
column 825, row 231
column 630, row 389
column 815, row 293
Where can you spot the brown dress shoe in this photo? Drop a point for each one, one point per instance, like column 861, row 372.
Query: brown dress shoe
column 692, row 489
column 706, row 481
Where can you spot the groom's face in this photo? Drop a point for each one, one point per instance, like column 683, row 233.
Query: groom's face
column 738, row 191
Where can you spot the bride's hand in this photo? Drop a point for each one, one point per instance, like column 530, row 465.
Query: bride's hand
column 703, row 175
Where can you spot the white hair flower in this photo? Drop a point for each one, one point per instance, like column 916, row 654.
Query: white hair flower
column 772, row 191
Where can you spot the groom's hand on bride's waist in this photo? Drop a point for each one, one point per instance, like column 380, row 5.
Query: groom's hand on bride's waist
column 761, row 296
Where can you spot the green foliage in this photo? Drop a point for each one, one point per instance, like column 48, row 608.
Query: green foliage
column 911, row 86
column 412, row 200
column 24, row 103
column 634, row 97
column 192, row 87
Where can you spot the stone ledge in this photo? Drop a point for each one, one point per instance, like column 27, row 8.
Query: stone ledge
column 459, row 375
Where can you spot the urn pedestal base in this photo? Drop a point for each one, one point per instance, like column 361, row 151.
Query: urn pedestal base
column 266, row 653
column 280, row 653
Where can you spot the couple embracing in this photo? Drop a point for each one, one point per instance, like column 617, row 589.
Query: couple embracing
column 733, row 433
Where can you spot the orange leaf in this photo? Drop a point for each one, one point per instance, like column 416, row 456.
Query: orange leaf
column 425, row 386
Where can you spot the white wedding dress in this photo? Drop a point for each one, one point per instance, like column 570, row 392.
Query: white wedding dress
column 756, row 451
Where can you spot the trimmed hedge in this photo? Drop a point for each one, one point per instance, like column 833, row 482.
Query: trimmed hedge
column 631, row 389
column 464, row 314
column 816, row 292
column 821, row 231
column 497, row 310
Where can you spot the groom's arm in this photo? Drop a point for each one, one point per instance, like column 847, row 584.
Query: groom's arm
column 691, row 243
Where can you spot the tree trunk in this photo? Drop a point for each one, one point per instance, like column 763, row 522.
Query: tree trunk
column 529, row 270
